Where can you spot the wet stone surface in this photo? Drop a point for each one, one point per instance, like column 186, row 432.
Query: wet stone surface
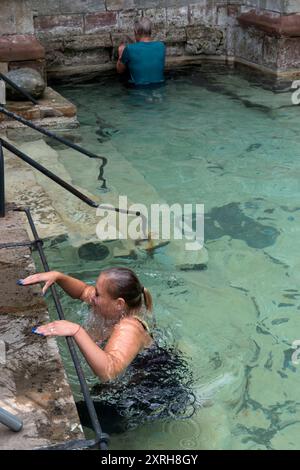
column 33, row 384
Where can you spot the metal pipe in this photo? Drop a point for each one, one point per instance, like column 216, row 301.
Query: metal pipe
column 64, row 141
column 10, row 420
column 101, row 437
column 18, row 88
column 2, row 185
column 48, row 173
column 64, row 184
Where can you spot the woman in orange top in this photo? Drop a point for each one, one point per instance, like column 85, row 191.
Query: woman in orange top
column 118, row 297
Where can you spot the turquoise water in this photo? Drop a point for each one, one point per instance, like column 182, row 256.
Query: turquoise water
column 224, row 139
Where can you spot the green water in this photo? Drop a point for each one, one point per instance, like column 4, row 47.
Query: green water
column 217, row 137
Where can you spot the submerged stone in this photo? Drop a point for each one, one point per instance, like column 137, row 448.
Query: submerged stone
column 93, row 252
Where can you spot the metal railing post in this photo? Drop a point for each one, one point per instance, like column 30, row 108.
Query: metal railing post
column 2, row 185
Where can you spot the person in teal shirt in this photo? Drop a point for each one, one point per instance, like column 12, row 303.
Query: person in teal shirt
column 145, row 59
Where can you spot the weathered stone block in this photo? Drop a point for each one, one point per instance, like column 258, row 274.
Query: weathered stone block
column 3, row 67
column 46, row 7
column 119, row 4
column 202, row 13
column 97, row 22
column 270, row 51
column 58, row 25
column 177, row 3
column 175, row 35
column 81, row 6
column 127, row 18
column 222, row 16
column 20, row 47
column 39, row 65
column 289, row 54
column 275, row 5
column 158, row 16
column 233, row 12
column 175, row 50
column 26, row 110
column 292, row 6
column 118, row 36
column 29, row 80
column 88, row 41
column 147, row 3
column 204, row 40
column 159, row 34
column 249, row 45
column 99, row 56
column 177, row 16
column 16, row 17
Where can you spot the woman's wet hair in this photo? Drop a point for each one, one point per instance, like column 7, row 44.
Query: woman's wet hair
column 143, row 27
column 125, row 284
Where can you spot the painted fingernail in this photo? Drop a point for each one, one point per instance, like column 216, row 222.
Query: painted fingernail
column 33, row 330
column 20, row 282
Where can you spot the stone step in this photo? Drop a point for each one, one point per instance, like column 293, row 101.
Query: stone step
column 124, row 179
column 57, row 213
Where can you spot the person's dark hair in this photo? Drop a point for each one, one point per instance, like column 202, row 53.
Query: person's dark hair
column 143, row 27
column 125, row 284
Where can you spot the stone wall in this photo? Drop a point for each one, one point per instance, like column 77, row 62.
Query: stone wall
column 84, row 35
column 81, row 36
column 268, row 36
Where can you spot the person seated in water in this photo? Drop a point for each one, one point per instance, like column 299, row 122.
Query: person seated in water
column 144, row 59
column 119, row 297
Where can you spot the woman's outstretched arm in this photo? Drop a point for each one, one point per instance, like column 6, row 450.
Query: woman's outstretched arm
column 74, row 287
column 126, row 341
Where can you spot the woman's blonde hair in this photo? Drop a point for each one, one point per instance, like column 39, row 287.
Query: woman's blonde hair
column 125, row 284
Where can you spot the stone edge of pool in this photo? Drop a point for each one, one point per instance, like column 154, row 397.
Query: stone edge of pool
column 33, row 383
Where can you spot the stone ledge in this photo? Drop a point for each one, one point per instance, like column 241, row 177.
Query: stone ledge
column 51, row 106
column 270, row 23
column 20, row 47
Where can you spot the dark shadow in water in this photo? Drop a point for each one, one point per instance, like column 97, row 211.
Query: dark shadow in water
column 230, row 220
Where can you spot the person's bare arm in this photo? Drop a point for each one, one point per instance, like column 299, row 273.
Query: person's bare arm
column 126, row 341
column 120, row 66
column 74, row 287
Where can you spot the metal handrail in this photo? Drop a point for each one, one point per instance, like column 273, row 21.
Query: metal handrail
column 101, row 438
column 58, row 180
column 64, row 141
column 2, row 186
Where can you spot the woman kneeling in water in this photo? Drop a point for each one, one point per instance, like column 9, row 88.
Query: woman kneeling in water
column 157, row 383
column 118, row 296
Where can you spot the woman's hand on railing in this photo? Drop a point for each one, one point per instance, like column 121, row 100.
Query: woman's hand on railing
column 58, row 328
column 48, row 278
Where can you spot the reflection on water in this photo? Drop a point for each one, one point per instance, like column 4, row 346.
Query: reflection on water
column 220, row 139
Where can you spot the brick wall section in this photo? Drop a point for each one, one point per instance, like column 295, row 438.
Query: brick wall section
column 97, row 28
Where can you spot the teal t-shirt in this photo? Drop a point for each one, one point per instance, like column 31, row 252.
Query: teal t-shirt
column 145, row 62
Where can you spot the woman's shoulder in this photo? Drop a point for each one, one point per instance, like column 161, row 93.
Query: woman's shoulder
column 138, row 324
